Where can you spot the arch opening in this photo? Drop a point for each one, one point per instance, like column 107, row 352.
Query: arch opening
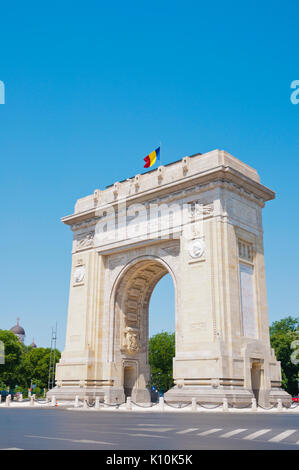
column 162, row 307
column 256, row 379
column 131, row 333
column 129, row 380
column 161, row 341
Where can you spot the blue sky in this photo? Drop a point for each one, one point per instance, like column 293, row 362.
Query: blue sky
column 92, row 87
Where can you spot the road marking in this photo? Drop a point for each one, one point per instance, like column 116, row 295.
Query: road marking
column 131, row 434
column 256, row 434
column 145, row 435
column 85, row 441
column 12, row 448
column 150, row 430
column 233, row 433
column 282, row 435
column 147, row 424
column 185, row 431
column 82, row 441
column 210, row 431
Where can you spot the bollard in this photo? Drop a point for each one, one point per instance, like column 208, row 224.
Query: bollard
column 194, row 404
column 253, row 404
column 225, row 405
column 21, row 397
column 76, row 404
column 279, row 403
column 97, row 403
column 105, row 401
column 32, row 400
column 85, row 403
column 7, row 401
column 53, row 401
column 161, row 403
column 129, row 403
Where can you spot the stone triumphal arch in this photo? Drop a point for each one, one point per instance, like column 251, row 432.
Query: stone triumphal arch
column 199, row 219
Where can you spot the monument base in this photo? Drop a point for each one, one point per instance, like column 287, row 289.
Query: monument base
column 110, row 395
column 234, row 396
column 141, row 395
column 275, row 394
column 209, row 395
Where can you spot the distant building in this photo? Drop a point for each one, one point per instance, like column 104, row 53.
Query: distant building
column 33, row 345
column 18, row 331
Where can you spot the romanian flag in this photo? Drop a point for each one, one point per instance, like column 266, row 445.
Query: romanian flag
column 151, row 158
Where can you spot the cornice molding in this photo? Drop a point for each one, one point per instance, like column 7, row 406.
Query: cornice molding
column 223, row 176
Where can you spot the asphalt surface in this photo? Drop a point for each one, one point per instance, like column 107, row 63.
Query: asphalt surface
column 58, row 428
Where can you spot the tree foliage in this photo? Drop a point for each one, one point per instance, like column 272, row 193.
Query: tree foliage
column 23, row 364
column 35, row 366
column 161, row 353
column 283, row 333
column 13, row 351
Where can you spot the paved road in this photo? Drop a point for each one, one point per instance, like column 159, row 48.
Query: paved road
column 67, row 429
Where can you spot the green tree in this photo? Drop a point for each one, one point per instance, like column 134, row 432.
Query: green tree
column 282, row 334
column 161, row 353
column 35, row 366
column 13, row 353
column 23, row 364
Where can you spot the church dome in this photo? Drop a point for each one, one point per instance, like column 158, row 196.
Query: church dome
column 17, row 330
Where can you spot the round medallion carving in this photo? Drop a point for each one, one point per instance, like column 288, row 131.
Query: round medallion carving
column 79, row 274
column 196, row 248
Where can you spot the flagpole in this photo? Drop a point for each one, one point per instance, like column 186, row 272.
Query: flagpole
column 160, row 153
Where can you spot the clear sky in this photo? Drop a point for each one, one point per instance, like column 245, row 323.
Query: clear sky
column 92, row 87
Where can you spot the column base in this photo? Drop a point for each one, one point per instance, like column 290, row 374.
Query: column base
column 274, row 394
column 234, row 396
column 69, row 393
column 141, row 395
column 112, row 395
column 207, row 394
